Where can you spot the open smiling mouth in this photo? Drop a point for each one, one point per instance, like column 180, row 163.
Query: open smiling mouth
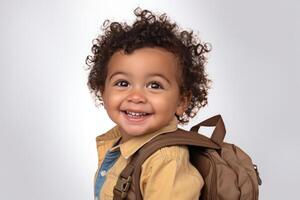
column 135, row 115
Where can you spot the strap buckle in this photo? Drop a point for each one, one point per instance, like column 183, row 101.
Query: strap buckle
column 122, row 186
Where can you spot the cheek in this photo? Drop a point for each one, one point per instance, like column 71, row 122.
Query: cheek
column 112, row 100
column 106, row 100
column 167, row 104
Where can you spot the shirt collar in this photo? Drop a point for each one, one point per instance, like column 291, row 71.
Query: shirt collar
column 110, row 136
column 129, row 147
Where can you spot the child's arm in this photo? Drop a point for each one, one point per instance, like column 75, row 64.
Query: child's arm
column 168, row 174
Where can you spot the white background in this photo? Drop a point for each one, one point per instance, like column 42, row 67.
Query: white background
column 48, row 120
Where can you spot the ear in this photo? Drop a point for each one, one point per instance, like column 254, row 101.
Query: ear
column 183, row 103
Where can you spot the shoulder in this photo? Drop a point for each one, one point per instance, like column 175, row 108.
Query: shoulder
column 178, row 155
column 170, row 153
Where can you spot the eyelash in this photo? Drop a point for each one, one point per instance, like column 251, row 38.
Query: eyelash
column 156, row 83
column 121, row 83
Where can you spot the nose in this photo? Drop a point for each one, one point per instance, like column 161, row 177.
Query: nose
column 136, row 96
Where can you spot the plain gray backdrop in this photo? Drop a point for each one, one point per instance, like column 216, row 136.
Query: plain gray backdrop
column 48, row 119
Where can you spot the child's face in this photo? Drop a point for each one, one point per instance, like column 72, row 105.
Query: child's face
column 141, row 92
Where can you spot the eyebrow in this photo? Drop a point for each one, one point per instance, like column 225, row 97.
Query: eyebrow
column 118, row 73
column 150, row 75
column 161, row 76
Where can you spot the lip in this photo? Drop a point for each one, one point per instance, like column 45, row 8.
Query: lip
column 139, row 119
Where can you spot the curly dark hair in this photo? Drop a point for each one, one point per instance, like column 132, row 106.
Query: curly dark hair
column 150, row 30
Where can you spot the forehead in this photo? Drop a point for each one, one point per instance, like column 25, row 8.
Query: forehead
column 145, row 60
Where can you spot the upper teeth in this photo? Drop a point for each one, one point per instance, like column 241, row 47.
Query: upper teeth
column 135, row 113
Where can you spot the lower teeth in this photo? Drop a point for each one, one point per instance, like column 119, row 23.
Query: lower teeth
column 136, row 116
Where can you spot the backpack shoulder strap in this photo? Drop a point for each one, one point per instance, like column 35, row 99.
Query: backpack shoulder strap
column 128, row 182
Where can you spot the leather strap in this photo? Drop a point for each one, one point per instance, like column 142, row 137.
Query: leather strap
column 219, row 132
column 131, row 173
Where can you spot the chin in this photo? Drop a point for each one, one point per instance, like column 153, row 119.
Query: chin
column 135, row 133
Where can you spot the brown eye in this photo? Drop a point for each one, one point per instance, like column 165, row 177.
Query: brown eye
column 155, row 85
column 122, row 83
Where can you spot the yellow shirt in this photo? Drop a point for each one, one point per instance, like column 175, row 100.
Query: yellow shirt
column 167, row 174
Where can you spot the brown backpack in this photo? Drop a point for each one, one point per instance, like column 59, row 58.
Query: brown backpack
column 228, row 172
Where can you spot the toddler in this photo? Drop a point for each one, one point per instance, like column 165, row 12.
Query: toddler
column 150, row 77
